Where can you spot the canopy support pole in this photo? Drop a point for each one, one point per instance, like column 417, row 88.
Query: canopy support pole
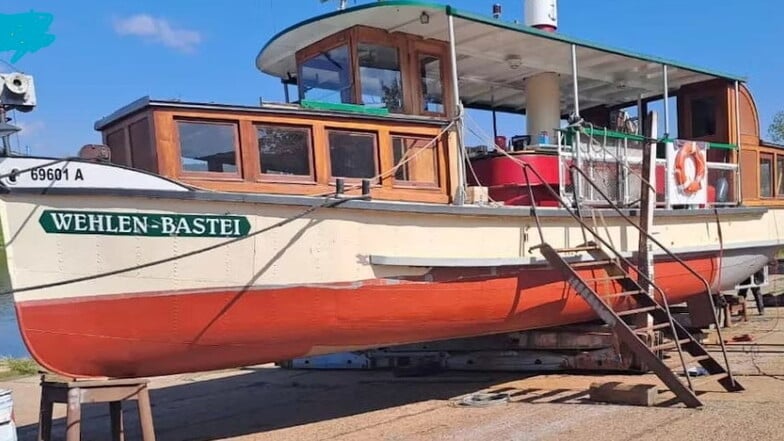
column 641, row 117
column 574, row 83
column 460, row 192
column 738, row 174
column 666, row 103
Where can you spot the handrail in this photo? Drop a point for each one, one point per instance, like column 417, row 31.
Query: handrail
column 579, row 220
column 675, row 257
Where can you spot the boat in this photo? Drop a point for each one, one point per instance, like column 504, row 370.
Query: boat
column 355, row 214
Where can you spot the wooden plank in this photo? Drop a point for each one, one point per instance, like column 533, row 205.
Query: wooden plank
column 622, row 393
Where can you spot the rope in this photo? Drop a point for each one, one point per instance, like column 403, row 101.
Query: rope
column 326, row 204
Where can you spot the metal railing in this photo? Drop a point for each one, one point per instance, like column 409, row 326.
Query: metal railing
column 613, row 161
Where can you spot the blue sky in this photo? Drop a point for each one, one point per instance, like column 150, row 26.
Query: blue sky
column 205, row 51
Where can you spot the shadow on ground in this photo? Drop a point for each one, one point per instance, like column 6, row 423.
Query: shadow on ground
column 257, row 400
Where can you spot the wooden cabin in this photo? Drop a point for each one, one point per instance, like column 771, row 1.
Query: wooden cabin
column 368, row 95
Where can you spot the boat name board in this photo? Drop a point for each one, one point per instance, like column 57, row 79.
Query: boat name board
column 143, row 224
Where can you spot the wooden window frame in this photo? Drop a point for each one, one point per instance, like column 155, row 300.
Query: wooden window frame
column 377, row 155
column 334, row 41
column 363, row 34
column 418, row 49
column 396, row 183
column 271, row 177
column 239, row 175
column 776, row 158
column 772, row 158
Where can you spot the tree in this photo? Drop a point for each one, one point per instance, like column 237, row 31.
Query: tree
column 776, row 129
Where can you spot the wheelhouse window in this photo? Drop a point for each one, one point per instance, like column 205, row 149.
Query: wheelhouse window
column 431, row 84
column 285, row 151
column 327, row 76
column 780, row 176
column 703, row 117
column 208, row 147
column 352, row 154
column 766, row 175
column 419, row 159
column 380, row 76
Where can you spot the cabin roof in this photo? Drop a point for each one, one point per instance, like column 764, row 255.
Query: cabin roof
column 146, row 102
column 606, row 75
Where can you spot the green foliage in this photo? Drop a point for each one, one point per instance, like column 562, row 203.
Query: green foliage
column 18, row 367
column 776, row 129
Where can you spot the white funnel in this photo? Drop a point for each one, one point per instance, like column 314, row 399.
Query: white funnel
column 541, row 14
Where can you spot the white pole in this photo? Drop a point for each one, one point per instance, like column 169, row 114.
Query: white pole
column 738, row 187
column 574, row 82
column 460, row 194
column 640, row 117
column 666, row 104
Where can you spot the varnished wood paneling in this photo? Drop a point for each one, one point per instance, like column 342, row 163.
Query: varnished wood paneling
column 166, row 144
column 142, row 144
column 749, row 119
column 749, row 166
column 249, row 148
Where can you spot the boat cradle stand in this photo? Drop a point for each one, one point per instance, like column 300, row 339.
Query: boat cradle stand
column 74, row 393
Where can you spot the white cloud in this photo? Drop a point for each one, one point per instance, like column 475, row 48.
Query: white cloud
column 31, row 136
column 158, row 30
column 30, row 128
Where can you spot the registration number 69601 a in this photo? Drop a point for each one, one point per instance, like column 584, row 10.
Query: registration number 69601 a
column 55, row 174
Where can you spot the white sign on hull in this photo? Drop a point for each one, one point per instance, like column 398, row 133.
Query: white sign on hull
column 48, row 173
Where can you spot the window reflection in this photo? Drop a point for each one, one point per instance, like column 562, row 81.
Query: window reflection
column 379, row 70
column 766, row 176
column 420, row 167
column 208, row 146
column 432, row 84
column 284, row 150
column 327, row 77
column 352, row 154
column 780, row 176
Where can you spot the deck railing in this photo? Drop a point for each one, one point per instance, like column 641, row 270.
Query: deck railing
column 613, row 161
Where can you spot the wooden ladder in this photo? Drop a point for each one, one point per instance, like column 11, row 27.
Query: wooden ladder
column 679, row 338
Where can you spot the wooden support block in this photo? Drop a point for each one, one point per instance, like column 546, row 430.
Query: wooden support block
column 624, row 393
column 477, row 195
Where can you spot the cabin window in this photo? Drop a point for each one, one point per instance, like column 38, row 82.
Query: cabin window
column 327, row 76
column 766, row 175
column 118, row 147
column 285, row 151
column 380, row 77
column 352, row 154
column 432, row 84
column 208, row 147
column 703, row 117
column 780, row 176
column 420, row 167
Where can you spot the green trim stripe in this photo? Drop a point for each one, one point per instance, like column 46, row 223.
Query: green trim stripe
column 344, row 107
column 611, row 134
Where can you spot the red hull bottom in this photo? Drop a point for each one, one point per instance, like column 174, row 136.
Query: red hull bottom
column 165, row 333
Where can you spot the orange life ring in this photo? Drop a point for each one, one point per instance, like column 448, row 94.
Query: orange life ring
column 694, row 185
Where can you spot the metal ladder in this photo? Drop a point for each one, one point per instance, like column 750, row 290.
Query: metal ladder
column 619, row 270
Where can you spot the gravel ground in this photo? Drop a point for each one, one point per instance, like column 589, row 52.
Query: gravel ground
column 267, row 403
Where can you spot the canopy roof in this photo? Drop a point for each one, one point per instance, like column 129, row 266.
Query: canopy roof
column 484, row 46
